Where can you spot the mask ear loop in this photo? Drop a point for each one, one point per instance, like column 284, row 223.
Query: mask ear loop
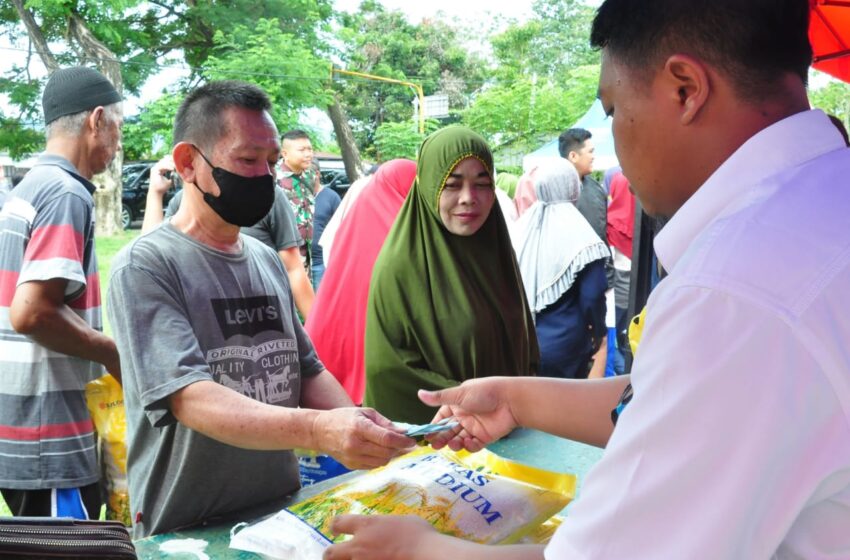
column 197, row 149
column 203, row 156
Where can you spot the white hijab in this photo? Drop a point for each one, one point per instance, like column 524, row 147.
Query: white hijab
column 552, row 240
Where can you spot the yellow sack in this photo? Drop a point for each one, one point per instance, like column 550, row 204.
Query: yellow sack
column 460, row 494
column 636, row 330
column 105, row 401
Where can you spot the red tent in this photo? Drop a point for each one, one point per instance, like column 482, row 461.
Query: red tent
column 829, row 32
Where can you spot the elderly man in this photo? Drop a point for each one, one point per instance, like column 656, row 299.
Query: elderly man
column 51, row 342
column 221, row 381
column 736, row 442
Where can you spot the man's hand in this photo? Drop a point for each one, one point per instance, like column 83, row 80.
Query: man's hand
column 160, row 182
column 481, row 407
column 161, row 177
column 383, row 537
column 359, row 438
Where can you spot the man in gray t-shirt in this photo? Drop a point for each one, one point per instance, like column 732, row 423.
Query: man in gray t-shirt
column 220, row 379
column 276, row 229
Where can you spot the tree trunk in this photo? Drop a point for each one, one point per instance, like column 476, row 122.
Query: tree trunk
column 345, row 139
column 34, row 31
column 107, row 198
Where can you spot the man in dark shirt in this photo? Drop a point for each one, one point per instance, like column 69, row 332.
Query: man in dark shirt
column 576, row 146
column 327, row 201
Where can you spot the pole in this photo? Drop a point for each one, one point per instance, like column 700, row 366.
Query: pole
column 416, row 88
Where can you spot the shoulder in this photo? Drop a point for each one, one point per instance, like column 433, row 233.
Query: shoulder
column 46, row 183
column 259, row 250
column 328, row 198
column 784, row 244
column 151, row 252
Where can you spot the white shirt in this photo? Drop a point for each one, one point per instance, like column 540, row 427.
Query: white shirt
column 737, row 441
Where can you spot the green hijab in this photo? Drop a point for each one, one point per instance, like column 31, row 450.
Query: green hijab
column 443, row 308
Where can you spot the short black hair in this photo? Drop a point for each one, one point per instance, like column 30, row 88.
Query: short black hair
column 296, row 134
column 199, row 119
column 754, row 42
column 572, row 140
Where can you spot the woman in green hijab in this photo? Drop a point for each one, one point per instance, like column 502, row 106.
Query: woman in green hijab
column 446, row 302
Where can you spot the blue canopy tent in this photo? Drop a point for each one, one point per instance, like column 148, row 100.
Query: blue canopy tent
column 599, row 126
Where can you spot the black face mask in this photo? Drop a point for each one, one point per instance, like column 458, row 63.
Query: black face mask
column 243, row 201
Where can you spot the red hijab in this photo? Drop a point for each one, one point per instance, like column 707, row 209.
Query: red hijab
column 621, row 215
column 337, row 321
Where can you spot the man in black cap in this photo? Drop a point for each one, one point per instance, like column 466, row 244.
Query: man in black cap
column 51, row 344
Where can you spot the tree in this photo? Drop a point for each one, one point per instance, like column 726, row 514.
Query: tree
column 149, row 134
column 548, row 46
column 545, row 77
column 382, row 42
column 125, row 39
column 401, row 140
column 833, row 99
column 522, row 113
column 58, row 17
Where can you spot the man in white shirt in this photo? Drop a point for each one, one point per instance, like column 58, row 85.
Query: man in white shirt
column 736, row 443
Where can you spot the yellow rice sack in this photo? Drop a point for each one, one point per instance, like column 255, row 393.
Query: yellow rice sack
column 105, row 401
column 478, row 497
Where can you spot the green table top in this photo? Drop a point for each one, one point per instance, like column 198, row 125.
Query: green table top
column 525, row 446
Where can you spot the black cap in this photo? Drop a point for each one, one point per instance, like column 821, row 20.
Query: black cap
column 76, row 89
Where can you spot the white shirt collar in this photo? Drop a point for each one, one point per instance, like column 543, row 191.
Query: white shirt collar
column 779, row 147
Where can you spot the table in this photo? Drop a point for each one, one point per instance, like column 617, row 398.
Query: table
column 527, row 446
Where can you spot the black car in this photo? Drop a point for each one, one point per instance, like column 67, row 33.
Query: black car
column 135, row 178
column 335, row 179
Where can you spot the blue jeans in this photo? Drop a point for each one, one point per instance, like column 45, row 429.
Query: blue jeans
column 318, row 272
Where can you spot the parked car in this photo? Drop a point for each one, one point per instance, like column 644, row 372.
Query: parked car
column 135, row 179
column 335, row 179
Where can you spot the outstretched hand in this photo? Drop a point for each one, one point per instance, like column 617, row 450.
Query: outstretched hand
column 480, row 406
column 359, row 438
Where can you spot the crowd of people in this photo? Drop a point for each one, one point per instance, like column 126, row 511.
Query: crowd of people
column 449, row 289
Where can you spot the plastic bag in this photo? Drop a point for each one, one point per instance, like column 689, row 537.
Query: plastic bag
column 314, row 467
column 105, row 401
column 478, row 497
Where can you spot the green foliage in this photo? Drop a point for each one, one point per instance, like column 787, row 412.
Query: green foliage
column 148, row 135
column 548, row 46
column 833, row 99
column 279, row 62
column 382, row 42
column 401, row 140
column 526, row 110
column 18, row 139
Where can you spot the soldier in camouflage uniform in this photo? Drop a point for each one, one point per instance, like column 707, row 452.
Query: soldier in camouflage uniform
column 298, row 180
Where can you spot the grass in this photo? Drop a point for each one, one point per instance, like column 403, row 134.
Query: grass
column 107, row 248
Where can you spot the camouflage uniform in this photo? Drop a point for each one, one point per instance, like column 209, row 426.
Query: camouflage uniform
column 299, row 189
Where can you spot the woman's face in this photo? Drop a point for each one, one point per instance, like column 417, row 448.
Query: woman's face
column 467, row 197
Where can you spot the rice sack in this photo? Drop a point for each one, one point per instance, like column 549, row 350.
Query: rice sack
column 478, row 497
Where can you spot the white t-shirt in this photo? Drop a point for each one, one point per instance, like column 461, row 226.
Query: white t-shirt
column 737, row 441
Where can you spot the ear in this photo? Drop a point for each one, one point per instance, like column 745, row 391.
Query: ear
column 572, row 157
column 96, row 120
column 686, row 79
column 184, row 161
